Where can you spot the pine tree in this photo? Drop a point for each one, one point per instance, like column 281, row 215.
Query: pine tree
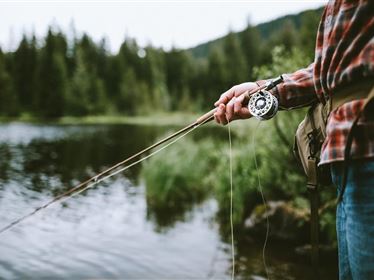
column 217, row 75
column 128, row 53
column 127, row 101
column 287, row 36
column 251, row 42
column 308, row 33
column 96, row 96
column 113, row 77
column 78, row 97
column 155, row 79
column 88, row 92
column 178, row 72
column 235, row 62
column 8, row 98
column 24, row 69
column 52, row 77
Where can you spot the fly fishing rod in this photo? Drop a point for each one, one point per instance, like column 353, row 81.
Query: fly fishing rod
column 261, row 104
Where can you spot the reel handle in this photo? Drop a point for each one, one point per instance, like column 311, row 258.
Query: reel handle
column 274, row 83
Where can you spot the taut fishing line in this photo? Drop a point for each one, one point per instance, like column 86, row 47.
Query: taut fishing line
column 263, row 199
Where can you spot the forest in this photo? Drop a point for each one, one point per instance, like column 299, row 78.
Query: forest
column 60, row 75
column 66, row 75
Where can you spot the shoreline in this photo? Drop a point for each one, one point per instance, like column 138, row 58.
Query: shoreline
column 158, row 119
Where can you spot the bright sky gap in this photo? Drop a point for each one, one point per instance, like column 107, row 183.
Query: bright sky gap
column 165, row 24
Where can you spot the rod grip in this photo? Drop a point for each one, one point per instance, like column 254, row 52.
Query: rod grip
column 206, row 116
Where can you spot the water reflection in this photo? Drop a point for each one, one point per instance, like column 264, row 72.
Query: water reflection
column 109, row 231
column 103, row 233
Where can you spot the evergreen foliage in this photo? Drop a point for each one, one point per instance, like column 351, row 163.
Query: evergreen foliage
column 57, row 77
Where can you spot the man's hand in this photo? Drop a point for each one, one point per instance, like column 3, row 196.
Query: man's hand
column 232, row 104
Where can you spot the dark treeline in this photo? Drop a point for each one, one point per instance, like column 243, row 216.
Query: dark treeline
column 54, row 76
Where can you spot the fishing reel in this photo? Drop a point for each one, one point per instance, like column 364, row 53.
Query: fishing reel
column 263, row 105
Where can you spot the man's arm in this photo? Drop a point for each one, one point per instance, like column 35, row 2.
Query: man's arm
column 297, row 90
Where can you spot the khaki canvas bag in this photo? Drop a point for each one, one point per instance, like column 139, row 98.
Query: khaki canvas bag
column 311, row 132
column 309, row 138
column 310, row 135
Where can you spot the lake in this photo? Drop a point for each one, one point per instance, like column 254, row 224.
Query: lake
column 108, row 232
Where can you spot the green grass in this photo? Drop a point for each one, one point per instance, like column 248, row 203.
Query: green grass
column 155, row 119
column 191, row 171
column 181, row 175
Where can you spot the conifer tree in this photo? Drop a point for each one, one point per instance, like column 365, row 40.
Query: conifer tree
column 8, row 98
column 217, row 75
column 235, row 62
column 250, row 42
column 155, row 78
column 178, row 71
column 52, row 77
column 287, row 36
column 129, row 93
column 78, row 97
column 24, row 69
column 308, row 33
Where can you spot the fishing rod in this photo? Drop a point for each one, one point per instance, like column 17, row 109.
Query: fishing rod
column 261, row 104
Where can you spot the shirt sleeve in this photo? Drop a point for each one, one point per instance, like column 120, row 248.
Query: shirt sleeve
column 297, row 89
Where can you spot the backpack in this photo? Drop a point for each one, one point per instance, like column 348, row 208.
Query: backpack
column 311, row 134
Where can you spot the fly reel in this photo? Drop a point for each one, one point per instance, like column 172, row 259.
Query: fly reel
column 263, row 105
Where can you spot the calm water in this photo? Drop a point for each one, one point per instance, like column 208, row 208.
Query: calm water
column 108, row 232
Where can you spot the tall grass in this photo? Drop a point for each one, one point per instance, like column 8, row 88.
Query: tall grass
column 180, row 177
column 190, row 171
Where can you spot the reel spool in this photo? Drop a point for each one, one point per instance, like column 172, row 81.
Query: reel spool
column 263, row 105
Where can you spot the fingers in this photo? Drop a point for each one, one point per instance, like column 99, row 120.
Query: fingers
column 230, row 109
column 232, row 104
column 236, row 108
column 225, row 97
column 244, row 113
column 220, row 114
column 235, row 91
column 238, row 104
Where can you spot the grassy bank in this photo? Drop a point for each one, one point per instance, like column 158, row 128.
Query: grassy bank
column 191, row 171
column 155, row 119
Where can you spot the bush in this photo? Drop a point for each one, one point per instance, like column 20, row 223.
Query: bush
column 188, row 172
column 178, row 178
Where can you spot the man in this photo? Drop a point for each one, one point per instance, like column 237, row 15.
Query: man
column 343, row 62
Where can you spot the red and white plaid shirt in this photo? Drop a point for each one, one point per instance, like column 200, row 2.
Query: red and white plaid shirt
column 344, row 55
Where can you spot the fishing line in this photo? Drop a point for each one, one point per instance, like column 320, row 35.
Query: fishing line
column 231, row 204
column 96, row 180
column 263, row 199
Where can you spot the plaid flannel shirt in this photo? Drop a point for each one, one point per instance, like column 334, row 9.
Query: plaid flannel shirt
column 344, row 54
